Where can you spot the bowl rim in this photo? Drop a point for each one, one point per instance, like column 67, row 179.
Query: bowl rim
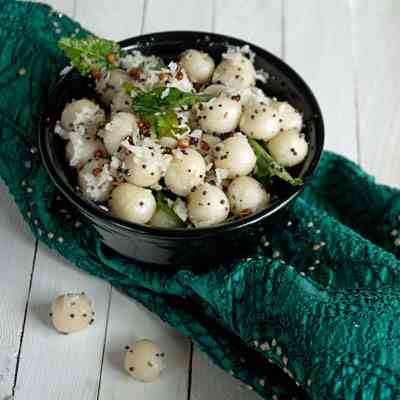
column 95, row 213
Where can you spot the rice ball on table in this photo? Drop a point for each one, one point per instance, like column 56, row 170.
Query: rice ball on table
column 144, row 360
column 111, row 83
column 71, row 313
column 80, row 149
column 207, row 205
column 198, row 65
column 95, row 180
column 235, row 71
column 247, row 196
column 219, row 115
column 121, row 126
column 187, row 170
column 288, row 148
column 235, row 155
column 83, row 115
column 132, row 203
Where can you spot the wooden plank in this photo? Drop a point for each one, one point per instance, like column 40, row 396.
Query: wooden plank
column 210, row 382
column 17, row 247
column 318, row 45
column 376, row 27
column 258, row 21
column 55, row 366
column 116, row 20
column 177, row 15
column 261, row 23
column 129, row 321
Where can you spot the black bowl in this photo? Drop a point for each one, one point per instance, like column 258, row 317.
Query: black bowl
column 177, row 247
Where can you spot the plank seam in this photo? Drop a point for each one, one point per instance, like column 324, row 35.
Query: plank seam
column 189, row 392
column 355, row 81
column 105, row 341
column 144, row 12
column 25, row 318
column 74, row 9
column 213, row 15
column 283, row 29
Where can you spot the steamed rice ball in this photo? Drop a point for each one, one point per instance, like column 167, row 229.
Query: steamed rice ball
column 186, row 171
column 80, row 149
column 235, row 155
column 95, row 180
column 121, row 126
column 144, row 360
column 247, row 196
column 71, row 313
column 236, row 72
column 83, row 116
column 198, row 65
column 207, row 205
column 288, row 148
column 111, row 83
column 132, row 203
column 219, row 115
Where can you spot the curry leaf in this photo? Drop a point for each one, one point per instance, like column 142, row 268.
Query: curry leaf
column 267, row 167
column 90, row 53
column 165, row 208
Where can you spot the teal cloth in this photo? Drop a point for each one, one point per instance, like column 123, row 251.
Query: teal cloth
column 313, row 314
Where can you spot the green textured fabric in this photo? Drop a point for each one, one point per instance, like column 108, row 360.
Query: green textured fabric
column 313, row 314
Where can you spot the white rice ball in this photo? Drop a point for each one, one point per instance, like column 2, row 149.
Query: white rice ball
column 207, row 205
column 247, row 196
column 187, row 170
column 235, row 155
column 142, row 173
column 121, row 126
column 132, row 203
column 198, row 65
column 121, row 102
column 110, row 83
column 80, row 149
column 144, row 360
column 71, row 313
column 95, row 180
column 288, row 148
column 215, row 89
column 289, row 117
column 219, row 115
column 83, row 116
column 263, row 119
column 260, row 120
column 236, row 73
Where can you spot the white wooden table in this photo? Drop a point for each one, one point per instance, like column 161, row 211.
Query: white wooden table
column 347, row 50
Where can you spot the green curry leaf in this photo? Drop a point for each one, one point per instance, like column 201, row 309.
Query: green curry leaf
column 89, row 53
column 267, row 167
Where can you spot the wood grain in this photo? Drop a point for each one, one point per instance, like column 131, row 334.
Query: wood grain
column 257, row 21
column 17, row 247
column 55, row 366
column 129, row 322
column 318, row 45
column 376, row 32
column 177, row 15
column 116, row 20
